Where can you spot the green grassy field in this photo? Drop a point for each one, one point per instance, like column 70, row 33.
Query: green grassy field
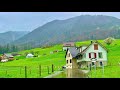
column 16, row 68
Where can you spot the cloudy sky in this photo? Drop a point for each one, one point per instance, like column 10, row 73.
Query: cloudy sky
column 28, row 21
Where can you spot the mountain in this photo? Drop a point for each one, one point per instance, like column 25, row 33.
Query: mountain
column 11, row 36
column 78, row 28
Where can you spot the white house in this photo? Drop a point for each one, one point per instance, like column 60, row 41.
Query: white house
column 94, row 54
column 81, row 48
column 70, row 56
column 29, row 55
column 68, row 45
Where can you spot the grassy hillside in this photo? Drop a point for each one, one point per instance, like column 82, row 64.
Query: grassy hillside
column 45, row 58
column 82, row 27
column 15, row 69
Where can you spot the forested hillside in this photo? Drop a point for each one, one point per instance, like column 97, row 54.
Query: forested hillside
column 80, row 28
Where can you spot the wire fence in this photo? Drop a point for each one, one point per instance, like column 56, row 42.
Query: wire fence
column 39, row 71
column 109, row 71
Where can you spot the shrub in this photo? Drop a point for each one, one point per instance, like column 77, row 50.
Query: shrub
column 109, row 40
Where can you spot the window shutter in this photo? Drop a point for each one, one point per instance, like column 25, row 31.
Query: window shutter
column 89, row 55
column 94, row 55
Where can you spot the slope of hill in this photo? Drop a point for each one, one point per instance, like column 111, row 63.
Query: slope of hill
column 82, row 27
column 11, row 36
column 45, row 58
column 58, row 59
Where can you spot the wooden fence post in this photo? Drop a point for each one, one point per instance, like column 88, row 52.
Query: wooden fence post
column 103, row 71
column 62, row 68
column 40, row 70
column 48, row 69
column 25, row 71
column 6, row 72
column 90, row 67
column 30, row 70
column 52, row 68
column 20, row 70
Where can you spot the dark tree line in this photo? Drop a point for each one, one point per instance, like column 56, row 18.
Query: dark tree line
column 13, row 48
column 8, row 48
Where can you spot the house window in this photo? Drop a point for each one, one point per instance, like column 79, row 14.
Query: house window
column 70, row 61
column 95, row 46
column 92, row 55
column 67, row 61
column 100, row 55
column 69, row 55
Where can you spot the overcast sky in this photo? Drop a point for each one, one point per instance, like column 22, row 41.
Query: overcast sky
column 28, row 21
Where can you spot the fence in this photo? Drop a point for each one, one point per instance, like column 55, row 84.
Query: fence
column 109, row 71
column 39, row 71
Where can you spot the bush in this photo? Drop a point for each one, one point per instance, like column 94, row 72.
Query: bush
column 109, row 40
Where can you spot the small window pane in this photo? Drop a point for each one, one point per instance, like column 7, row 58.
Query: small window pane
column 100, row 55
column 95, row 46
column 70, row 61
column 67, row 61
column 89, row 55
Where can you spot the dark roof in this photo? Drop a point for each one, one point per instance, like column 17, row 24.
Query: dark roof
column 83, row 46
column 91, row 44
column 67, row 44
column 73, row 51
column 8, row 55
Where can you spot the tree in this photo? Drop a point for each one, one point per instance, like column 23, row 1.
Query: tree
column 109, row 40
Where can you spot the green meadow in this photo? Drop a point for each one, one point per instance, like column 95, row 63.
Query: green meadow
column 16, row 68
column 46, row 57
